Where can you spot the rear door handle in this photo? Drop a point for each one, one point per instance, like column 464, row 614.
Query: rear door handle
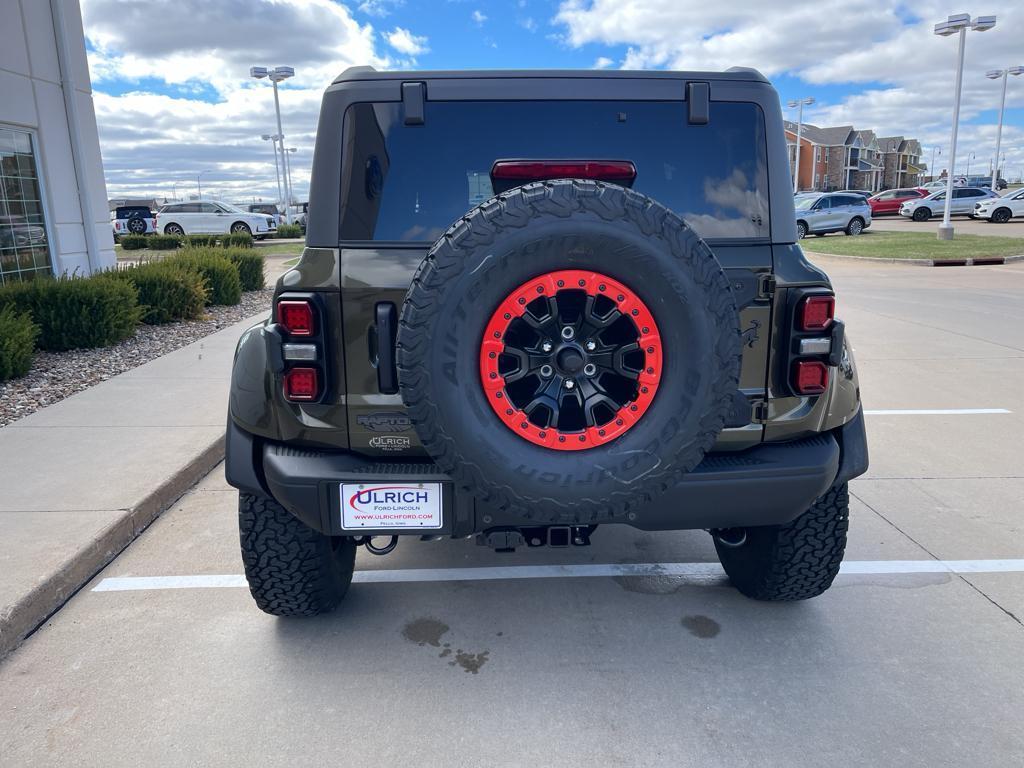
column 387, row 330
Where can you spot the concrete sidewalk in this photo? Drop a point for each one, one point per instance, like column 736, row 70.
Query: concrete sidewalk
column 80, row 479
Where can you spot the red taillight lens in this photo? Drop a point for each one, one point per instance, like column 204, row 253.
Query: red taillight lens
column 539, row 170
column 296, row 317
column 815, row 313
column 301, row 384
column 810, row 377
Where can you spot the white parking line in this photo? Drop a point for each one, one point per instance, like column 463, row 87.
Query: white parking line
column 697, row 572
column 935, row 412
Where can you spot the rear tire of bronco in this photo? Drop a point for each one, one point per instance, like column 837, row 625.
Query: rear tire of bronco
column 794, row 561
column 292, row 570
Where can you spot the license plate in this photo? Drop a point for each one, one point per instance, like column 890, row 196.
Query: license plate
column 390, row 505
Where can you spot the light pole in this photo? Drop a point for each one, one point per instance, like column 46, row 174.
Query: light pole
column 935, row 150
column 199, row 183
column 277, row 172
column 799, row 103
column 289, row 152
column 970, row 156
column 951, row 26
column 174, row 186
column 277, row 75
column 996, row 74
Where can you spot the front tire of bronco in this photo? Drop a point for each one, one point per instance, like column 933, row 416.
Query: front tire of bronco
column 292, row 570
column 794, row 561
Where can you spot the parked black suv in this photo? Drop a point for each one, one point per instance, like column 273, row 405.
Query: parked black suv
column 531, row 303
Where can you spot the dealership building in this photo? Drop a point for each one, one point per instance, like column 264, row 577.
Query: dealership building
column 53, row 199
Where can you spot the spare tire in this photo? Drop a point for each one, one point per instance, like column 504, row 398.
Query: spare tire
column 568, row 350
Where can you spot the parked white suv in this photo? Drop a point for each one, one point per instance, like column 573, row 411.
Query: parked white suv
column 210, row 217
column 1000, row 209
column 964, row 198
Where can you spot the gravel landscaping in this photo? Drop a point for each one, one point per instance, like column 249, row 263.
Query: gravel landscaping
column 56, row 375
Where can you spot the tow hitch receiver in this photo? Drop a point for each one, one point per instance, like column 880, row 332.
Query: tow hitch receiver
column 507, row 539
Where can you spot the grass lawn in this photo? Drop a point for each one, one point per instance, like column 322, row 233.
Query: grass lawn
column 281, row 249
column 143, row 254
column 914, row 245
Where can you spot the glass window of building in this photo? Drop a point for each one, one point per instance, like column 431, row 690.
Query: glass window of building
column 24, row 246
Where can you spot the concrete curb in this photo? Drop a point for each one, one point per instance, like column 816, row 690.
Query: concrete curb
column 983, row 261
column 31, row 611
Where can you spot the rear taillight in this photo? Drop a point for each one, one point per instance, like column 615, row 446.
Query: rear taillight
column 810, row 377
column 296, row 317
column 540, row 170
column 815, row 313
column 301, row 384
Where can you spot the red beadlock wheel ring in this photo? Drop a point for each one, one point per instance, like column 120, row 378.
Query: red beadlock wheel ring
column 567, row 357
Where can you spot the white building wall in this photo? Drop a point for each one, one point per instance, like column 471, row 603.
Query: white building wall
column 31, row 96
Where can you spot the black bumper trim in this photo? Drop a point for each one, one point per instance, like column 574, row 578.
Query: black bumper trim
column 766, row 485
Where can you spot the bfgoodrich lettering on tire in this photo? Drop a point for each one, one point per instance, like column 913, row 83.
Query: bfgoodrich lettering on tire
column 629, row 300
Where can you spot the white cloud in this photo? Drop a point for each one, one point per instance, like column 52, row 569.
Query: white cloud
column 379, row 8
column 213, row 120
column 529, row 24
column 900, row 74
column 478, row 17
column 404, row 41
column 603, row 62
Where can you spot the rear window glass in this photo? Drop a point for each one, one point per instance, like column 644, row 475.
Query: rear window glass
column 126, row 212
column 410, row 182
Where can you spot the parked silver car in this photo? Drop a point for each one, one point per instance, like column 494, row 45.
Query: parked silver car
column 962, row 203
column 832, row 212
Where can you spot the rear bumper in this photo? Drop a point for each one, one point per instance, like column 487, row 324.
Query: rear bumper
column 766, row 485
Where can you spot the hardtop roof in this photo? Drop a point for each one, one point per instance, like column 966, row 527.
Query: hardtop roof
column 733, row 74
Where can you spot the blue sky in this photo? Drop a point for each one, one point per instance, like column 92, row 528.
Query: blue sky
column 173, row 96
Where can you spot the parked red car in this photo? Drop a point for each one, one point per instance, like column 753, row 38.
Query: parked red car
column 891, row 200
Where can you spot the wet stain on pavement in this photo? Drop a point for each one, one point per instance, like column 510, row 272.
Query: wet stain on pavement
column 470, row 662
column 703, row 627
column 425, row 631
column 650, row 585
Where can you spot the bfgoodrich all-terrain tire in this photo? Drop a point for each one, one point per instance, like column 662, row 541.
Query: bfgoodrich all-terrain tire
column 292, row 570
column 794, row 561
column 526, row 257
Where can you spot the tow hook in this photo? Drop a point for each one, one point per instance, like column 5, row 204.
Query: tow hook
column 367, row 541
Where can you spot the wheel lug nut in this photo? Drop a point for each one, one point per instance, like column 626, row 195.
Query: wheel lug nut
column 591, row 346
column 568, row 332
column 546, row 346
column 590, row 369
column 546, row 371
column 569, row 383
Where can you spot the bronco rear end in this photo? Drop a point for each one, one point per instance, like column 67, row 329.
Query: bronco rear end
column 534, row 303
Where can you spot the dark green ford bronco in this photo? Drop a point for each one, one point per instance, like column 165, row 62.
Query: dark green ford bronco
column 532, row 303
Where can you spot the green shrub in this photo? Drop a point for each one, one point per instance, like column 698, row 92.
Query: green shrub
column 200, row 241
column 221, row 276
column 76, row 312
column 249, row 264
column 134, row 242
column 166, row 292
column 289, row 230
column 163, row 242
column 17, row 340
column 236, row 240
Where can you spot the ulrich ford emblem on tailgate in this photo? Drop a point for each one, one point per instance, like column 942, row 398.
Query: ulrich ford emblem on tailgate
column 390, row 443
column 389, row 421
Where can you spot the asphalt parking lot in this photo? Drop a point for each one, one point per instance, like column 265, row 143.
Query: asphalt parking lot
column 905, row 661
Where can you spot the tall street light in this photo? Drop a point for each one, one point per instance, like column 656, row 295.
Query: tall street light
column 935, row 150
column 996, row 74
column 959, row 23
column 288, row 153
column 277, row 172
column 277, row 75
column 970, row 156
column 199, row 182
column 799, row 130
